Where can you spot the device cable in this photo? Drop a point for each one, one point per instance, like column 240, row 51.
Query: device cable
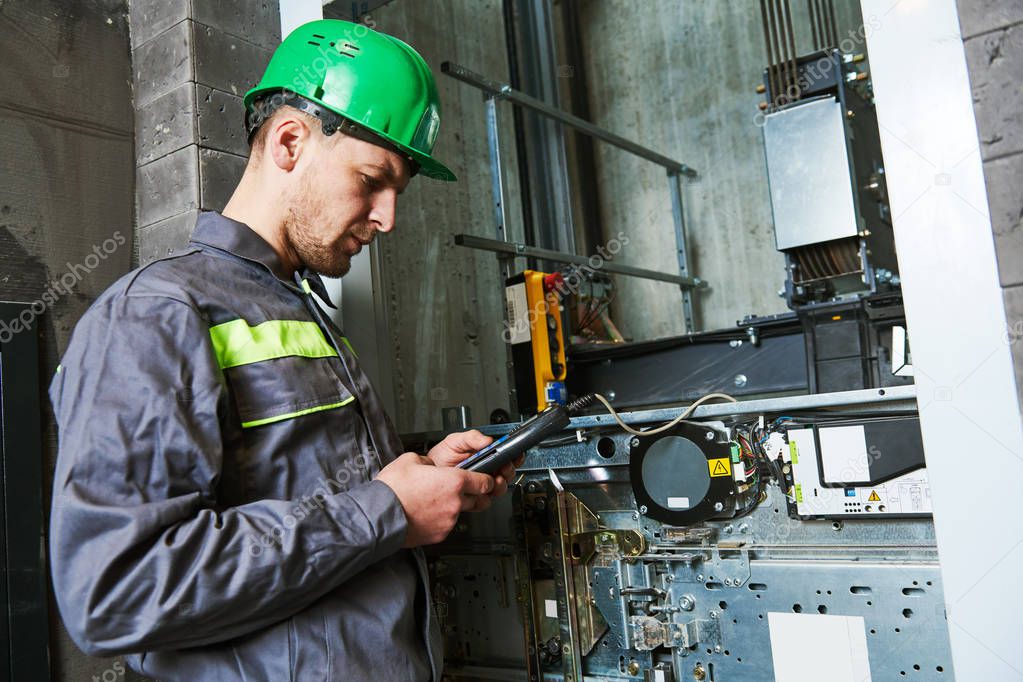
column 688, row 411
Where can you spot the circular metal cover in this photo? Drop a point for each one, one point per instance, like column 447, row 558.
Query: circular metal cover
column 674, row 473
column 671, row 475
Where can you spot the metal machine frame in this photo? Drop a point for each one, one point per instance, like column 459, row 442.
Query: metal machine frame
column 585, row 559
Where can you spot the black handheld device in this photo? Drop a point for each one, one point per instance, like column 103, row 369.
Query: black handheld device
column 507, row 448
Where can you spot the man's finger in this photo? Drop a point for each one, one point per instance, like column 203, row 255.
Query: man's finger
column 468, row 441
column 482, row 503
column 476, row 483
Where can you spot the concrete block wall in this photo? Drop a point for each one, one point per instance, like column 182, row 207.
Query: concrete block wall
column 680, row 78
column 993, row 38
column 66, row 201
column 193, row 60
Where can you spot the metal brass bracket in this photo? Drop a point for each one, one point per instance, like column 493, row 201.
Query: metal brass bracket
column 649, row 633
column 609, row 545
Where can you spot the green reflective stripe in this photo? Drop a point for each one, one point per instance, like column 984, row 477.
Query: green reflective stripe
column 305, row 286
column 292, row 415
column 236, row 343
column 60, row 369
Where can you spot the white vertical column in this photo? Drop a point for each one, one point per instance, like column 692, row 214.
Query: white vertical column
column 969, row 410
column 294, row 13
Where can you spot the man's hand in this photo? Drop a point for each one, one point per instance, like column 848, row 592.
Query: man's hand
column 433, row 496
column 458, row 446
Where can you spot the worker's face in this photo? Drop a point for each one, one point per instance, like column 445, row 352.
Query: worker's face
column 347, row 192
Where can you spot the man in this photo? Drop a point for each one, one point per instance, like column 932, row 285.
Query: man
column 230, row 500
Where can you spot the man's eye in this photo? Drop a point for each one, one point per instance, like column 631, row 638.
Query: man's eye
column 370, row 182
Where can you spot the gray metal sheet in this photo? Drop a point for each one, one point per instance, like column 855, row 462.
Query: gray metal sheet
column 809, row 174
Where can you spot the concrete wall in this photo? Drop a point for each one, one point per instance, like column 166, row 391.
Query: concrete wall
column 993, row 38
column 193, row 60
column 679, row 77
column 444, row 303
column 65, row 189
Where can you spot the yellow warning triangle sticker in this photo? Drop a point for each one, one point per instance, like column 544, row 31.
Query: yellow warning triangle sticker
column 719, row 469
column 873, row 497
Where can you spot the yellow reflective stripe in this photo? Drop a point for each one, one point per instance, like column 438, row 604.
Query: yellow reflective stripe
column 349, row 344
column 305, row 286
column 292, row 415
column 236, row 343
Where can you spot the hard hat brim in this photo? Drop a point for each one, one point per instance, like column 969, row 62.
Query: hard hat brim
column 428, row 166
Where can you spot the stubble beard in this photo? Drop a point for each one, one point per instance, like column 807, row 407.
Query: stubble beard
column 311, row 251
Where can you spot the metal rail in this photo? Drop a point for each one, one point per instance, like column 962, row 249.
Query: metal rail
column 505, row 91
column 676, row 170
column 515, row 249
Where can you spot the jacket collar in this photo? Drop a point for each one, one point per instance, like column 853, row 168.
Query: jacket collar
column 215, row 230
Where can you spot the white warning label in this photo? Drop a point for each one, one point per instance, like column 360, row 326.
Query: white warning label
column 518, row 314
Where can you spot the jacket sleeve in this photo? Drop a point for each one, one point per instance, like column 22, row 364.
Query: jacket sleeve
column 143, row 557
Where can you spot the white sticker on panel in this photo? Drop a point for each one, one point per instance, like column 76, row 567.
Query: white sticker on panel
column 844, row 454
column 518, row 313
column 810, row 648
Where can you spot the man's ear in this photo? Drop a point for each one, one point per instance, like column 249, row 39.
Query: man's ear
column 288, row 138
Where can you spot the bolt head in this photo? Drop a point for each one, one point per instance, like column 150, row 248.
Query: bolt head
column 709, row 435
column 687, row 603
column 728, row 581
column 728, row 529
column 717, row 648
column 718, row 506
column 699, row 577
column 740, row 380
column 642, row 509
column 634, row 442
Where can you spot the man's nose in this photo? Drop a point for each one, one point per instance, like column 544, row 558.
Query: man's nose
column 383, row 212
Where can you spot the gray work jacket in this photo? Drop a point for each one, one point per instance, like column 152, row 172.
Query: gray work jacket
column 214, row 514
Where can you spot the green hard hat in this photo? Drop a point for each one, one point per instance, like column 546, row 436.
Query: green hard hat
column 370, row 79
